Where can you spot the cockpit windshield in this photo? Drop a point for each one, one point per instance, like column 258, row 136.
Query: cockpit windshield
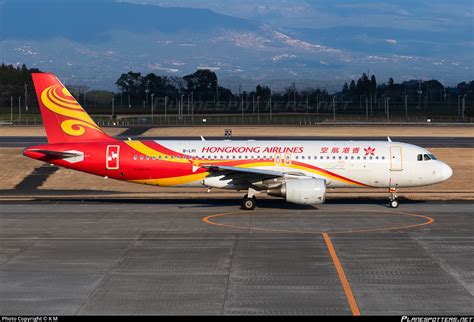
column 425, row 157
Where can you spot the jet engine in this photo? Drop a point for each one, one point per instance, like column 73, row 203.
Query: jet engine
column 301, row 191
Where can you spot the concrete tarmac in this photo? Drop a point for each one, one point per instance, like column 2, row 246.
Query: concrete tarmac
column 209, row 257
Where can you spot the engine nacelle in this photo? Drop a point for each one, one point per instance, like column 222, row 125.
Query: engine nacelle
column 301, row 191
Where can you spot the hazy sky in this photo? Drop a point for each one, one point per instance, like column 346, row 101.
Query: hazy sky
column 405, row 14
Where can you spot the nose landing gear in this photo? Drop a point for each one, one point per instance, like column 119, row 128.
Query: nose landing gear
column 393, row 199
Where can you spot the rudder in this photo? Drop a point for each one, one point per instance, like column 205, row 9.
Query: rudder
column 64, row 119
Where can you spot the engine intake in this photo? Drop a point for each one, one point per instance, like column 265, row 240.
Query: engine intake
column 301, row 191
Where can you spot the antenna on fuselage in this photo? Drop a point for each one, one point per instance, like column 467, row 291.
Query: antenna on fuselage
column 202, row 138
column 389, row 139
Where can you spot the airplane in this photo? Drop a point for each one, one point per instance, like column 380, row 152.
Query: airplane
column 298, row 171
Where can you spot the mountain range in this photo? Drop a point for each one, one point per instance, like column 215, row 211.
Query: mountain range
column 92, row 42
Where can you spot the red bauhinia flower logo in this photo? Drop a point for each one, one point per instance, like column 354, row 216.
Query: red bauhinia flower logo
column 369, row 151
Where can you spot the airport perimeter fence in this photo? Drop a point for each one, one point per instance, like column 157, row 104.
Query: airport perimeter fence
column 126, row 120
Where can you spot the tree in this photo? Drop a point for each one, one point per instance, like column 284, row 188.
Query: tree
column 130, row 83
column 263, row 91
column 345, row 89
column 352, row 88
column 373, row 84
column 201, row 80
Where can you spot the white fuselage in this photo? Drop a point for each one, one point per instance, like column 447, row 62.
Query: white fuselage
column 340, row 163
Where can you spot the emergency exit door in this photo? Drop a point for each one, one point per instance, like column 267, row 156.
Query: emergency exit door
column 396, row 158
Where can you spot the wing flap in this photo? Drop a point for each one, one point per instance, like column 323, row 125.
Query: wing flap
column 253, row 175
column 218, row 168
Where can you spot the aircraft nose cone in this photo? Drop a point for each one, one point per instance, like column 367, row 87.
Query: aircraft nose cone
column 446, row 172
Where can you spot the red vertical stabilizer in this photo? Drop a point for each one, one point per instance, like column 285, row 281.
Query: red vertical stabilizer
column 64, row 119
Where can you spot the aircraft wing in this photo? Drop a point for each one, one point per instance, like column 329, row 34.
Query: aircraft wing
column 253, row 175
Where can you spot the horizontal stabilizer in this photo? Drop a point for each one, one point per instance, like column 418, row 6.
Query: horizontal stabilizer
column 57, row 154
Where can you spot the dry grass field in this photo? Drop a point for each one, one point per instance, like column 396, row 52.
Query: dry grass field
column 273, row 131
column 314, row 131
column 16, row 167
column 39, row 131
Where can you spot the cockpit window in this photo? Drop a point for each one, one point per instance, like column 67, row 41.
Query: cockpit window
column 425, row 157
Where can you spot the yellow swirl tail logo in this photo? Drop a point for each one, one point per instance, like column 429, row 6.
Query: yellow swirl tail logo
column 58, row 100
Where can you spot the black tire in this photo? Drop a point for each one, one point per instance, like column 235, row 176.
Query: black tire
column 394, row 203
column 249, row 203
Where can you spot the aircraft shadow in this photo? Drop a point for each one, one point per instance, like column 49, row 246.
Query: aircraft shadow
column 186, row 203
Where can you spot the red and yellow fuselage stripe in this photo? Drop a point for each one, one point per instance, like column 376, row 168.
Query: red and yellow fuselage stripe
column 171, row 160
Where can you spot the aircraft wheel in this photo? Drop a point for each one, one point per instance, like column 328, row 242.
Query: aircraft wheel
column 249, row 203
column 394, row 203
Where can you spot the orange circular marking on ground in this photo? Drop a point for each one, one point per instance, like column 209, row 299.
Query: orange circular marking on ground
column 427, row 221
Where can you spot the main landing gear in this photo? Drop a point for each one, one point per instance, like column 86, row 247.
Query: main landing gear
column 249, row 202
column 393, row 199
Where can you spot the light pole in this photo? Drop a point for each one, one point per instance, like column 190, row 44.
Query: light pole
column 294, row 97
column 406, row 105
column 366, row 108
column 242, row 108
column 449, row 103
column 192, row 103
column 271, row 115
column 181, row 107
column 113, row 107
column 388, row 108
column 26, row 95
column 459, row 105
column 464, row 106
column 317, row 108
column 334, row 107
column 146, row 93
column 11, row 109
column 19, row 108
column 166, row 107
column 258, row 108
column 307, row 106
column 152, row 107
